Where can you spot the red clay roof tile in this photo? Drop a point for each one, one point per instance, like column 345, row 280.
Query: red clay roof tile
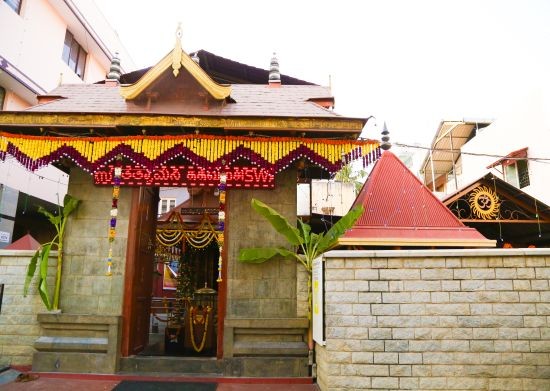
column 251, row 100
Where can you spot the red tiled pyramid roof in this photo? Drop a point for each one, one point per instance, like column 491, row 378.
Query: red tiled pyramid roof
column 26, row 242
column 400, row 211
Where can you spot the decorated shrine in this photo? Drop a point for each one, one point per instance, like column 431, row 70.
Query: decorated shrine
column 218, row 128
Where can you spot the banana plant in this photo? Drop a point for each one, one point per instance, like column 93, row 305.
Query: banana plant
column 41, row 257
column 307, row 245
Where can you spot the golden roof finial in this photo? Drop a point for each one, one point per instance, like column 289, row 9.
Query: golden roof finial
column 176, row 53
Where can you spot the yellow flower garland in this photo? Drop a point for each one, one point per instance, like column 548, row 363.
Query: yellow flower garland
column 91, row 152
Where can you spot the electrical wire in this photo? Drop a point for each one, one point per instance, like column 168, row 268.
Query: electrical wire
column 536, row 159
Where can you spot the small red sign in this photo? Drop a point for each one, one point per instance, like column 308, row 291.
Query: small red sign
column 188, row 176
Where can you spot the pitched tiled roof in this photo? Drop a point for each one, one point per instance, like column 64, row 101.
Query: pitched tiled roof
column 224, row 70
column 251, row 100
column 400, row 211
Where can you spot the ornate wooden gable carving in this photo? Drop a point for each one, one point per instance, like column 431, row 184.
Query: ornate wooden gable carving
column 175, row 68
column 491, row 200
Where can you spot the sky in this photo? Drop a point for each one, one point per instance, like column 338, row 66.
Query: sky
column 408, row 63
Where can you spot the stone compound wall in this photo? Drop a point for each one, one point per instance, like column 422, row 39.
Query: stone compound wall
column 436, row 320
column 18, row 325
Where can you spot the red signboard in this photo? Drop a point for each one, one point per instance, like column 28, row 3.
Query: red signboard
column 188, row 176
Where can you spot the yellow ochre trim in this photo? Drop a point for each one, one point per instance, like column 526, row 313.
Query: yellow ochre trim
column 172, row 60
column 238, row 123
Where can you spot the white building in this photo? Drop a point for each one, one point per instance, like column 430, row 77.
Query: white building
column 45, row 43
column 515, row 147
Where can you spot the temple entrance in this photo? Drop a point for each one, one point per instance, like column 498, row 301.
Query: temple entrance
column 184, row 297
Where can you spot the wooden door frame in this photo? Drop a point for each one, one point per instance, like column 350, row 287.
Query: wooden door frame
column 222, row 288
column 130, row 272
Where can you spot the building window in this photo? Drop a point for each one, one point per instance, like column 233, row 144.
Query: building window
column 166, row 204
column 2, row 98
column 73, row 55
column 14, row 4
column 517, row 173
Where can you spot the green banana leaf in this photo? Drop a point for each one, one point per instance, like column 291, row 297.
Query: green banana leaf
column 30, row 272
column 305, row 230
column 281, row 225
column 42, row 283
column 260, row 255
column 330, row 239
column 69, row 204
column 58, row 221
column 54, row 219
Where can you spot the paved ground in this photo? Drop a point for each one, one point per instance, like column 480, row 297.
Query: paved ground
column 59, row 382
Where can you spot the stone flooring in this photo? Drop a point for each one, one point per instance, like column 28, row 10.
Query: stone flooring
column 60, row 382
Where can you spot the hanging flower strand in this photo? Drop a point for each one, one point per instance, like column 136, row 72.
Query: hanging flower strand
column 221, row 219
column 114, row 212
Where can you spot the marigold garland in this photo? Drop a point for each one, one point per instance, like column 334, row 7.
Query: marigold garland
column 205, row 150
column 114, row 212
column 198, row 320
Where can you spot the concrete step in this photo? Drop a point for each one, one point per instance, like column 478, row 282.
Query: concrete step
column 258, row 366
column 172, row 366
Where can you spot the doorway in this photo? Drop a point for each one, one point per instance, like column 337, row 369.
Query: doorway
column 184, row 293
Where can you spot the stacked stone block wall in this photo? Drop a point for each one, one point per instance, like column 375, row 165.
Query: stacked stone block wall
column 267, row 290
column 18, row 325
column 436, row 320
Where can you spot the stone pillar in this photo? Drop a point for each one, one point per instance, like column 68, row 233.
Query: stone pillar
column 86, row 336
column 85, row 288
column 263, row 335
column 267, row 290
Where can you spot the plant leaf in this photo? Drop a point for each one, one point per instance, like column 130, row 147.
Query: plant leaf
column 30, row 272
column 314, row 243
column 305, row 230
column 260, row 255
column 69, row 204
column 55, row 220
column 43, row 290
column 330, row 239
column 42, row 284
column 281, row 225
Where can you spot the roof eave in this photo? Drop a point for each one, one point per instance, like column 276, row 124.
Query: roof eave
column 71, row 119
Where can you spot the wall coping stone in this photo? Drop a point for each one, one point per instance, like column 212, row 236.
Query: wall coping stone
column 45, row 317
column 72, row 343
column 438, row 253
column 275, row 323
column 22, row 253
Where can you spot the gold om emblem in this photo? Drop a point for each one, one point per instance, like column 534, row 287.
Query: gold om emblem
column 484, row 203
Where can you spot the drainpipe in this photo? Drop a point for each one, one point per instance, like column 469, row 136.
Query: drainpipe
column 453, row 157
column 433, row 173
